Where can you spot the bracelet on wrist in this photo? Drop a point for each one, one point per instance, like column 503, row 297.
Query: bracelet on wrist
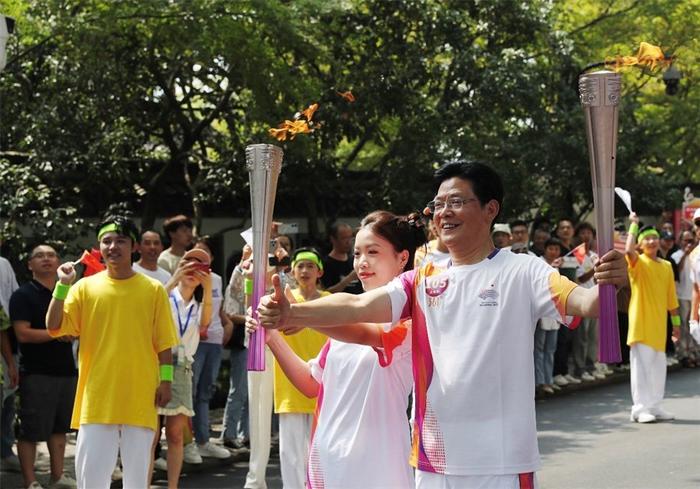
column 634, row 229
column 60, row 291
column 166, row 373
column 676, row 321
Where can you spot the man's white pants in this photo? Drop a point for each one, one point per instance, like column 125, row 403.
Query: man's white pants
column 428, row 480
column 96, row 455
column 295, row 434
column 647, row 378
column 260, row 386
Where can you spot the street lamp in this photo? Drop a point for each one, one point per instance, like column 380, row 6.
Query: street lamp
column 672, row 80
column 7, row 26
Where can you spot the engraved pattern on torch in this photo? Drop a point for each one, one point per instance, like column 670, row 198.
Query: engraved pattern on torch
column 600, row 96
column 264, row 162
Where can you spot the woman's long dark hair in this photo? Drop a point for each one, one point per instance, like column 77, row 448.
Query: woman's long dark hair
column 403, row 232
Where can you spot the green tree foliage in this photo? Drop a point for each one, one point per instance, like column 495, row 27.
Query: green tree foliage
column 152, row 103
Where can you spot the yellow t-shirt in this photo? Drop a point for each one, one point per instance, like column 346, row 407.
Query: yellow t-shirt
column 306, row 344
column 653, row 294
column 122, row 325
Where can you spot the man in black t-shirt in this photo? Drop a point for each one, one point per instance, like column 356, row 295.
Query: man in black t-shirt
column 48, row 375
column 338, row 272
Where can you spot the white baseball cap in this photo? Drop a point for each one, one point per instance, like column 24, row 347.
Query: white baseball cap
column 503, row 228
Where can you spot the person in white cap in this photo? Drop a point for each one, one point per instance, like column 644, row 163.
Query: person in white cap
column 501, row 235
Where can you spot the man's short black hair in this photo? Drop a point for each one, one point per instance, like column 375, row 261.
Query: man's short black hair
column 584, row 225
column 149, row 230
column 516, row 223
column 124, row 226
column 554, row 242
column 335, row 227
column 486, row 183
column 172, row 224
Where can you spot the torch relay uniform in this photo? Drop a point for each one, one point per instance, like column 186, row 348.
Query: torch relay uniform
column 294, row 408
column 362, row 436
column 653, row 295
column 122, row 325
column 474, row 400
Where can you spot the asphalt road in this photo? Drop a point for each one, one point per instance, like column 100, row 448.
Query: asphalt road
column 587, row 441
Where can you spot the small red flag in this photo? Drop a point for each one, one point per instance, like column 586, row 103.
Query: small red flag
column 91, row 260
column 580, row 253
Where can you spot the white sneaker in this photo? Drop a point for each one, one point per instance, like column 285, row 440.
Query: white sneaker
column 663, row 415
column 161, row 464
column 64, row 482
column 210, row 450
column 555, row 387
column 560, row 380
column 572, row 379
column 646, row 418
column 598, row 375
column 586, row 377
column 35, row 485
column 191, row 454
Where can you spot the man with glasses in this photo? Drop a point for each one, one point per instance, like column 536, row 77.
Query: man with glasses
column 47, row 372
column 473, row 336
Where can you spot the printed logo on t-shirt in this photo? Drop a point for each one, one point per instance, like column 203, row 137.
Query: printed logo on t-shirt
column 489, row 296
column 434, row 288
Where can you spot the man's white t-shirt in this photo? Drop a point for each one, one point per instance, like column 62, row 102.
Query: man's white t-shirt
column 684, row 288
column 473, row 334
column 161, row 275
column 362, row 436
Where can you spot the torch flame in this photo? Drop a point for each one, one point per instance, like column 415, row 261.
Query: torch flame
column 648, row 56
column 348, row 96
column 289, row 129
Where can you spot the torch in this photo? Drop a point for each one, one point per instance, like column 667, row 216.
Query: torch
column 264, row 162
column 600, row 97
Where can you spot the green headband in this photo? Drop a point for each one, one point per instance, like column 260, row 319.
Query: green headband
column 648, row 232
column 113, row 227
column 309, row 256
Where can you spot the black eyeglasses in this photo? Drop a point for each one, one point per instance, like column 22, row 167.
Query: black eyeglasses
column 454, row 203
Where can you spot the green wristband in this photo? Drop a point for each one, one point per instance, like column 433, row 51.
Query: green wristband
column 166, row 373
column 676, row 321
column 248, row 286
column 634, row 229
column 60, row 291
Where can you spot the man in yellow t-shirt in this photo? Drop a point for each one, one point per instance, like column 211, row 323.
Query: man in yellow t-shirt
column 294, row 408
column 126, row 331
column 653, row 295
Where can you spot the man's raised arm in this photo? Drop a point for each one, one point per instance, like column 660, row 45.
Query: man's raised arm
column 275, row 310
column 54, row 315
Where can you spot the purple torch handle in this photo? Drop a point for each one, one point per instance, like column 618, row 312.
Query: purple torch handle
column 256, row 342
column 600, row 97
